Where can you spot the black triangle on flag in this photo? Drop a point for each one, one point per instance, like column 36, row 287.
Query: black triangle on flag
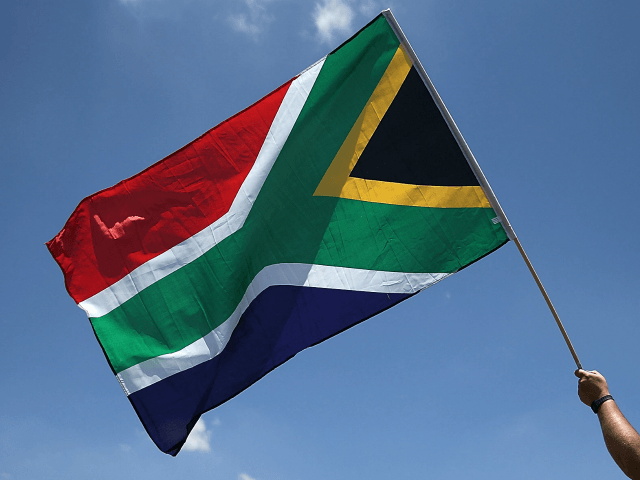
column 400, row 150
column 413, row 144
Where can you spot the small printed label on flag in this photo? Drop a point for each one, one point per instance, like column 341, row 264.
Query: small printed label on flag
column 495, row 220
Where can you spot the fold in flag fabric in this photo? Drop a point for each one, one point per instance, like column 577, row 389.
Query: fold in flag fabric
column 331, row 199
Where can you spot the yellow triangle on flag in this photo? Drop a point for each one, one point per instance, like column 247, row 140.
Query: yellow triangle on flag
column 338, row 182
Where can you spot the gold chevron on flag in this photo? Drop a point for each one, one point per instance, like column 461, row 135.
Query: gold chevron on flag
column 342, row 179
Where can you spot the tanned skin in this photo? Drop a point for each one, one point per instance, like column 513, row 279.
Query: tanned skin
column 622, row 440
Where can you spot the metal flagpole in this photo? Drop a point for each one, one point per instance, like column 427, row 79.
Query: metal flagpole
column 478, row 172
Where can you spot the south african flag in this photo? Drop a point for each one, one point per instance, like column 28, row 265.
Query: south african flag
column 331, row 199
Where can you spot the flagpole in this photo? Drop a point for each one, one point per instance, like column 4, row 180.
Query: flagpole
column 493, row 200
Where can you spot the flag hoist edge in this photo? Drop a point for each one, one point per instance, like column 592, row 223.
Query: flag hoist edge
column 336, row 196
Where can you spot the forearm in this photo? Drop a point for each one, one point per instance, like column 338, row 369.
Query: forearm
column 622, row 440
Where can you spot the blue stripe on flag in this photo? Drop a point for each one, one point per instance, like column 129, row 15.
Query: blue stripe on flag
column 280, row 322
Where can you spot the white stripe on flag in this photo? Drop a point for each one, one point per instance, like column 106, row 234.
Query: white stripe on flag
column 186, row 252
column 155, row 369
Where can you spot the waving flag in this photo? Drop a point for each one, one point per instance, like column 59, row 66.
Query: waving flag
column 336, row 196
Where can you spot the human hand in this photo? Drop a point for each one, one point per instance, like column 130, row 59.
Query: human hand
column 591, row 386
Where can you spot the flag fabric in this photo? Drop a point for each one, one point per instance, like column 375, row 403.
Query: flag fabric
column 331, row 199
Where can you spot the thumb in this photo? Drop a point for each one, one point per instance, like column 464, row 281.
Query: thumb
column 580, row 373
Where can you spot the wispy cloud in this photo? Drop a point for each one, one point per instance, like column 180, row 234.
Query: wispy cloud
column 335, row 17
column 254, row 20
column 198, row 440
column 369, row 8
column 244, row 476
column 158, row 9
column 331, row 17
column 141, row 3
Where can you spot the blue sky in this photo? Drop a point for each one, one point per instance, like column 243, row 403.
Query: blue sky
column 475, row 381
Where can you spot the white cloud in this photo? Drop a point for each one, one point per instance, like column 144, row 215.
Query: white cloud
column 244, row 476
column 198, row 440
column 240, row 23
column 332, row 16
column 369, row 8
column 125, row 448
column 254, row 21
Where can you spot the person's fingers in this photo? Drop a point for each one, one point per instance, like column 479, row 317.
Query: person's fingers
column 580, row 373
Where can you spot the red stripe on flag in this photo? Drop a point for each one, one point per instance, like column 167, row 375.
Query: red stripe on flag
column 118, row 229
